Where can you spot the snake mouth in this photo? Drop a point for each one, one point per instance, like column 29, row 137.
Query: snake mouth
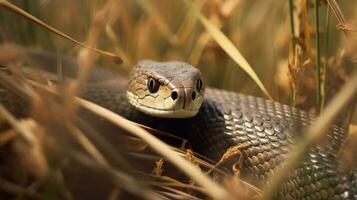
column 166, row 89
column 179, row 112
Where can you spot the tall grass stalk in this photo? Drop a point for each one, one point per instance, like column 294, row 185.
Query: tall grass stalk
column 292, row 25
column 227, row 45
column 324, row 69
column 317, row 46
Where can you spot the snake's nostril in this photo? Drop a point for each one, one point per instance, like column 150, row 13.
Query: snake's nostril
column 193, row 95
column 174, row 95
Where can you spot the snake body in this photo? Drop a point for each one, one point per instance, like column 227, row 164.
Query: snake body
column 264, row 129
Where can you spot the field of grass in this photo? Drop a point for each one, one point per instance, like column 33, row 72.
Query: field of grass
column 166, row 30
column 281, row 44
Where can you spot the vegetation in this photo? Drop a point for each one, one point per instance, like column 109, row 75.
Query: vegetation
column 298, row 53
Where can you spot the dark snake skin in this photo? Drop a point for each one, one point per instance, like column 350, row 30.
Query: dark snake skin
column 266, row 128
column 263, row 128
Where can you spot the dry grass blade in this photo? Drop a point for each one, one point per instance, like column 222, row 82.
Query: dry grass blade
column 213, row 189
column 86, row 59
column 23, row 131
column 345, row 27
column 178, row 140
column 229, row 48
column 177, row 185
column 39, row 22
column 107, row 148
column 318, row 57
column 347, row 94
column 339, row 15
column 307, row 30
column 19, row 190
column 16, row 85
column 191, row 157
column 242, row 190
column 6, row 137
column 88, row 146
column 158, row 170
column 348, row 150
column 234, row 151
column 296, row 68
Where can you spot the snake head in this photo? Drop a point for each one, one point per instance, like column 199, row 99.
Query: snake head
column 166, row 89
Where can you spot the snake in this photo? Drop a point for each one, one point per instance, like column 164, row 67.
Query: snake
column 171, row 96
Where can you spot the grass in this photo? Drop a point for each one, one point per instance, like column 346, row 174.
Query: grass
column 318, row 57
column 264, row 51
column 214, row 36
column 230, row 49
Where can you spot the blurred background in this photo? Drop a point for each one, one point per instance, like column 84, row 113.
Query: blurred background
column 165, row 30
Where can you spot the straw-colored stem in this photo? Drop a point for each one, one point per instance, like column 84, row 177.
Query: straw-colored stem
column 338, row 14
column 324, row 66
column 292, row 26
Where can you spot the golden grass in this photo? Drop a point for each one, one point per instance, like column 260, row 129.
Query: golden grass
column 207, row 34
column 40, row 23
column 229, row 48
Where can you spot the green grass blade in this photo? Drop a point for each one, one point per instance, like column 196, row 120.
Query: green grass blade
column 292, row 24
column 228, row 47
column 318, row 69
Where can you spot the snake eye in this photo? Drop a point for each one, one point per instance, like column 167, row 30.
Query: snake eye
column 199, row 84
column 153, row 85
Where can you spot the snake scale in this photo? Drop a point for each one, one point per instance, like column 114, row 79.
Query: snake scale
column 214, row 120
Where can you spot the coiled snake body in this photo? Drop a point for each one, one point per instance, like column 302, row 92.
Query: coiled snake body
column 170, row 96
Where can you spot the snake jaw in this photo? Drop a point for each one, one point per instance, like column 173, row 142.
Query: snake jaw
column 177, row 112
